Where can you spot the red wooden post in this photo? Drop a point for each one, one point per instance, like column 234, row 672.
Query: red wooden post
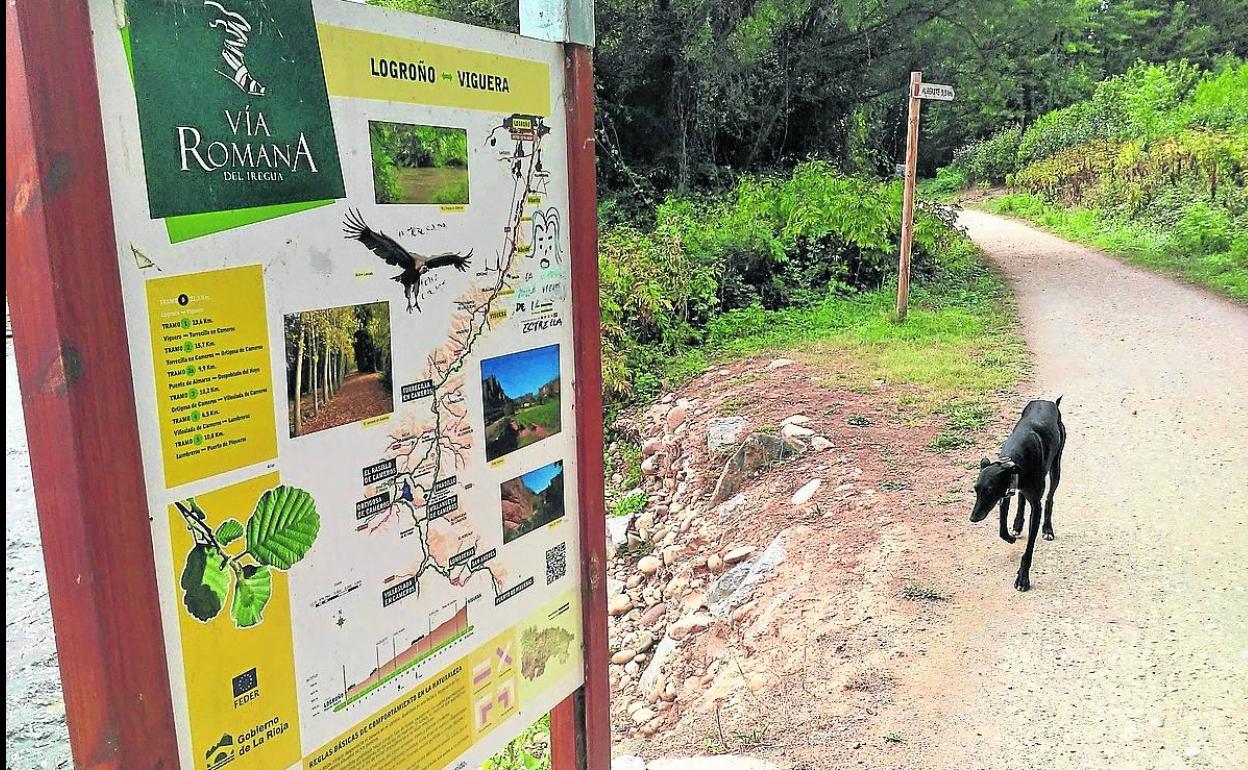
column 73, row 364
column 581, row 725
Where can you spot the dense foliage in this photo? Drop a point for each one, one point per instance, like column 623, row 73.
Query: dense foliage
column 1154, row 167
column 693, row 92
column 771, row 242
column 1147, row 103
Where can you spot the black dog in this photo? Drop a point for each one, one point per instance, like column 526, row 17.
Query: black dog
column 1033, row 451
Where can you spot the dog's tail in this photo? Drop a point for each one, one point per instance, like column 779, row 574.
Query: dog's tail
column 1058, row 402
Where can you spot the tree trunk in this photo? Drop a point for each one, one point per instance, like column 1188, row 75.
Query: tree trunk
column 325, row 374
column 299, row 382
column 316, row 391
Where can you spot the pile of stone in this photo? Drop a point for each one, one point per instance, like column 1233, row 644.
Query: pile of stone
column 674, row 572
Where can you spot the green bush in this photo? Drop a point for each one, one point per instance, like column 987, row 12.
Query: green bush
column 948, row 180
column 991, row 159
column 768, row 243
column 1204, row 230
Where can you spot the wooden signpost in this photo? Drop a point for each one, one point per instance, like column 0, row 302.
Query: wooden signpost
column 211, row 240
column 917, row 93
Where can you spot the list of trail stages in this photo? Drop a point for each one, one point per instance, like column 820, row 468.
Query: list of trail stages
column 345, row 274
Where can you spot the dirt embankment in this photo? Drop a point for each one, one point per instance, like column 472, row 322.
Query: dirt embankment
column 774, row 623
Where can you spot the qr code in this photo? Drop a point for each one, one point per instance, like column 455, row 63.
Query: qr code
column 556, row 563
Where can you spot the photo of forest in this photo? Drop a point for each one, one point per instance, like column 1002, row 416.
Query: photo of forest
column 532, row 501
column 338, row 368
column 418, row 164
column 520, row 399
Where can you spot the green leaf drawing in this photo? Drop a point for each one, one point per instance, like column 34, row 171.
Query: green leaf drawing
column 282, row 527
column 255, row 586
column 229, row 531
column 205, row 582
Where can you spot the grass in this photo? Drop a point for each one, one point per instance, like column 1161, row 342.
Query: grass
column 629, row 462
column 958, row 346
column 1138, row 242
column 528, row 751
column 545, row 415
column 630, row 504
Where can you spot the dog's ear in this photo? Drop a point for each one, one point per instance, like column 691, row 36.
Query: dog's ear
column 984, row 463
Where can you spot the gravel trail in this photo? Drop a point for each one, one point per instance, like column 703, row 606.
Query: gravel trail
column 1131, row 650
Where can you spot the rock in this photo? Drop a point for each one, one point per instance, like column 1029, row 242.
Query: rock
column 651, row 446
column 737, row 585
column 756, row 452
column 803, row 495
column 649, row 464
column 643, row 642
column 797, row 419
column 714, row 563
column 723, row 432
column 670, row 554
column 780, row 363
column 631, row 667
column 796, row 431
column 654, row 669
column 643, row 715
column 649, row 565
column 634, row 581
column 820, row 444
column 689, row 625
column 739, row 554
column 742, row 612
column 628, row 763
column 619, row 604
column 730, row 506
column 721, row 762
column 653, row 615
column 622, row 657
column 676, row 417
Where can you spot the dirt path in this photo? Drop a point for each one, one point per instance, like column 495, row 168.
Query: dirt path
column 1131, row 651
column 361, row 396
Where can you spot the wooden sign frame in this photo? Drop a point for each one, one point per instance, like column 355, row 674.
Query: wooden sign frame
column 73, row 363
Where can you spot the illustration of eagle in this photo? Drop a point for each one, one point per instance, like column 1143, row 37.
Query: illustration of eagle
column 414, row 265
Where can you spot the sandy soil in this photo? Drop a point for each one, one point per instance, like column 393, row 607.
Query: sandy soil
column 1131, row 651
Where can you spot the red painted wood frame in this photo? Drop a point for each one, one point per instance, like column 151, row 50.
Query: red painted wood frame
column 581, row 725
column 73, row 364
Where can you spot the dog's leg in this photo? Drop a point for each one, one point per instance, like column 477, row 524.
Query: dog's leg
column 1019, row 518
column 1005, row 514
column 1023, row 581
column 1055, row 477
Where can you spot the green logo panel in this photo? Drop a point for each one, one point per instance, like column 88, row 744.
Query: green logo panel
column 232, row 105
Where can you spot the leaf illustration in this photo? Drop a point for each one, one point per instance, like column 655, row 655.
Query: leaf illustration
column 229, row 531
column 255, row 586
column 282, row 527
column 205, row 582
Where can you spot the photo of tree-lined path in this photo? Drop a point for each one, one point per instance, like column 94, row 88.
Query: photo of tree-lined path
column 520, row 398
column 418, row 164
column 338, row 366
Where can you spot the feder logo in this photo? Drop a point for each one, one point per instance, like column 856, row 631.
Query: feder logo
column 232, row 105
